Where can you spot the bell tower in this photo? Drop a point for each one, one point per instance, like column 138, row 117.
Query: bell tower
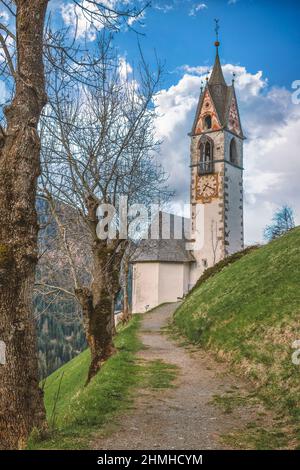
column 216, row 172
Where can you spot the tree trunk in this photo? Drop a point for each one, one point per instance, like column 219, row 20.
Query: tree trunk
column 126, row 313
column 21, row 401
column 97, row 321
column 113, row 320
column 97, row 304
column 98, row 301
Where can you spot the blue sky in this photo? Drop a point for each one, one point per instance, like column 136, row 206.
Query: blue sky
column 260, row 34
column 260, row 43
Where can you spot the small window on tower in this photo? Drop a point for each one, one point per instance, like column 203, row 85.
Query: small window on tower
column 233, row 152
column 207, row 122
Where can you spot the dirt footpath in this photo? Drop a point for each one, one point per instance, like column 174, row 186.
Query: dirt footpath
column 181, row 417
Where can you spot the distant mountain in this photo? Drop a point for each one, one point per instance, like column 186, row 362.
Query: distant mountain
column 58, row 317
column 58, row 340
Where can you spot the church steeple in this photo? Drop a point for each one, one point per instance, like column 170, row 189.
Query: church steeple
column 217, row 86
column 217, row 107
column 217, row 171
column 217, row 77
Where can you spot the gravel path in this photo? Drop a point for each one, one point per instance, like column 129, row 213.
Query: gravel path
column 180, row 417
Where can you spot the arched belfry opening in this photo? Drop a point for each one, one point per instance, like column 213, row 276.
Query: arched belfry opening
column 207, row 122
column 233, row 154
column 206, row 164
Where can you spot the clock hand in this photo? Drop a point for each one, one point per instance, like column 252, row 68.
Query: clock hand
column 207, row 186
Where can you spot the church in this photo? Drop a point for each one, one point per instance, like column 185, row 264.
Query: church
column 166, row 268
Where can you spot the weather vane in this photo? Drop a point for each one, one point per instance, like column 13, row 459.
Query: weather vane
column 217, row 31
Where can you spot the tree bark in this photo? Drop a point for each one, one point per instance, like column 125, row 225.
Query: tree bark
column 21, row 401
column 96, row 304
column 126, row 313
column 97, row 326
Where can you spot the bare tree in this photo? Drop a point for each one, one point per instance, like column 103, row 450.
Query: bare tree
column 282, row 221
column 21, row 64
column 99, row 145
column 21, row 402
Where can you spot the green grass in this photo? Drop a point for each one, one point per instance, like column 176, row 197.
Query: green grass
column 230, row 401
column 248, row 312
column 257, row 437
column 81, row 411
column 159, row 374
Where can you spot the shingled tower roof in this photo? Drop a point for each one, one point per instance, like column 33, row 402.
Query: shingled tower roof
column 221, row 94
column 217, row 77
column 218, row 88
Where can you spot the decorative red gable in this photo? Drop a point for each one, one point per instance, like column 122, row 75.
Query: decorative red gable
column 233, row 118
column 207, row 109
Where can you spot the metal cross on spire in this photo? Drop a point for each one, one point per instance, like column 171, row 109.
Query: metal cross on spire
column 217, row 28
column 217, row 32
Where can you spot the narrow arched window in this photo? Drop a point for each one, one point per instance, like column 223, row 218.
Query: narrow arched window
column 206, row 156
column 233, row 152
column 207, row 122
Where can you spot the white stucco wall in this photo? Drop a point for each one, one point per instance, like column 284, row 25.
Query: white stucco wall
column 171, row 282
column 233, row 210
column 155, row 283
column 223, row 216
column 145, row 280
column 187, row 277
column 233, row 198
column 213, row 224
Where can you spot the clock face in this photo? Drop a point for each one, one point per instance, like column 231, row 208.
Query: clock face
column 207, row 187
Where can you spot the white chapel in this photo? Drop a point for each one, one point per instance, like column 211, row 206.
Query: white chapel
column 166, row 268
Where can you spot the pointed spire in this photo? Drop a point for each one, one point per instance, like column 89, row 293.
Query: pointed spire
column 217, row 77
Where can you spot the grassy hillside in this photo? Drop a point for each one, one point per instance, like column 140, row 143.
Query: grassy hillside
column 249, row 313
column 74, row 412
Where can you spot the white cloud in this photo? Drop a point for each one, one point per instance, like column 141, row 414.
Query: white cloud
column 80, row 21
column 197, row 7
column 198, row 70
column 139, row 17
column 10, row 44
column 3, row 93
column 127, row 77
column 165, row 8
column 271, row 123
column 86, row 20
column 125, row 68
column 4, row 16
